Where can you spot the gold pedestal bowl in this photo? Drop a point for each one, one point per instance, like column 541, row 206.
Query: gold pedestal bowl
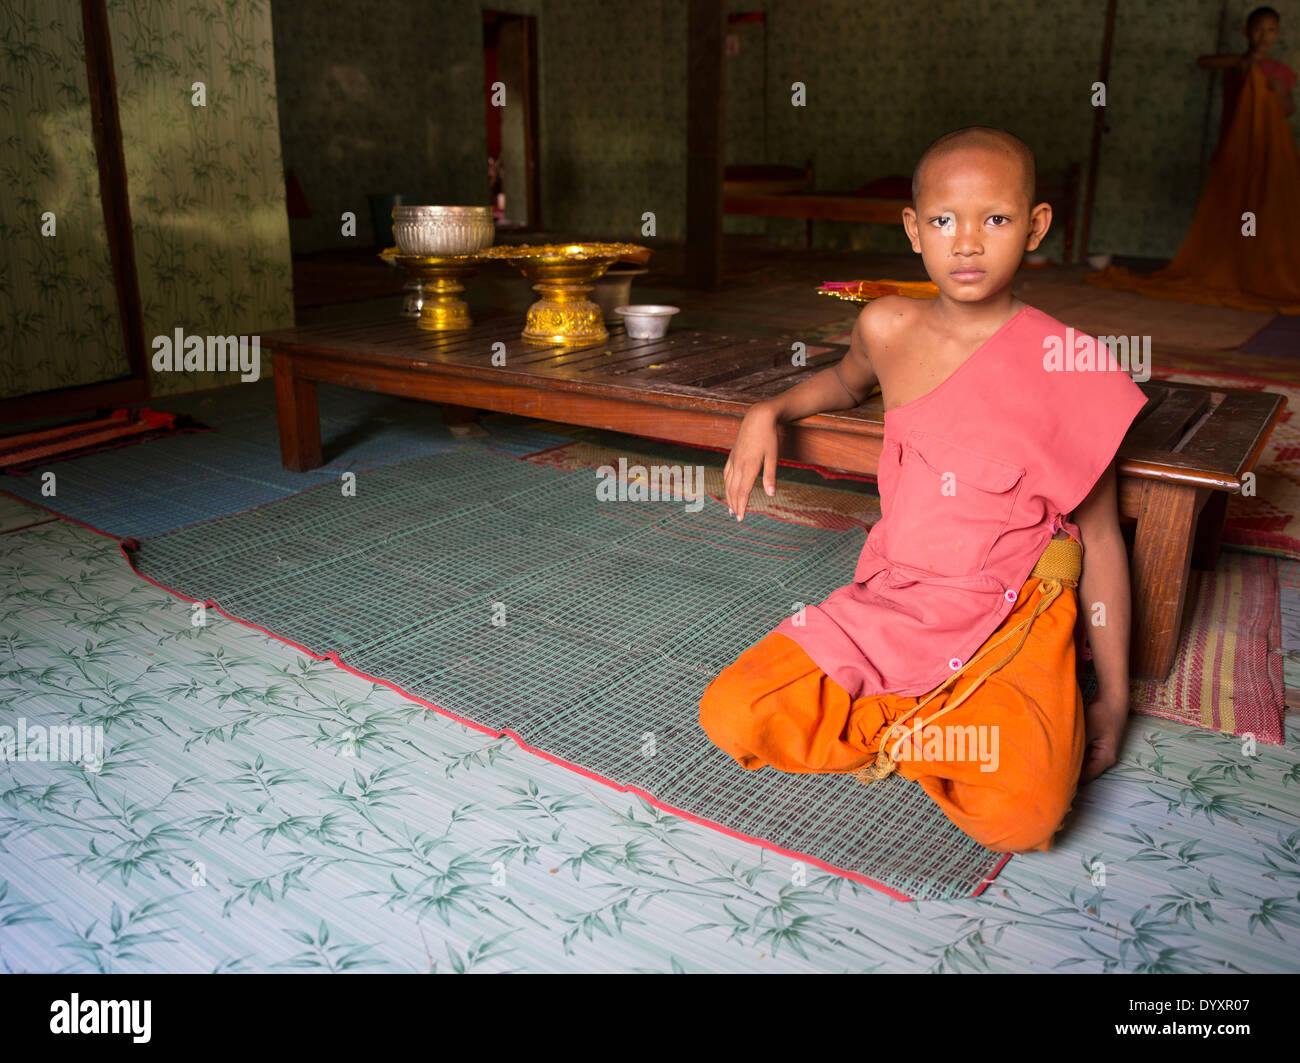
column 564, row 275
column 440, row 278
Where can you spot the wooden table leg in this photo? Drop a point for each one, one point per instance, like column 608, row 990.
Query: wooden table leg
column 298, row 416
column 1162, row 557
column 462, row 421
column 1209, row 531
column 458, row 414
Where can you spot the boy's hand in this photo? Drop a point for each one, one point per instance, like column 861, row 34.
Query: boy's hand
column 755, row 450
column 1104, row 722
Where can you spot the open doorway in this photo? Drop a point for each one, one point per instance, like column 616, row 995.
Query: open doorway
column 510, row 71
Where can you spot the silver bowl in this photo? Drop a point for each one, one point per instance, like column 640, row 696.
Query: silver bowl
column 443, row 230
column 646, row 322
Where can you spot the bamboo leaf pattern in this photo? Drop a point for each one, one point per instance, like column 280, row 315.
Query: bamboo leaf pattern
column 226, row 833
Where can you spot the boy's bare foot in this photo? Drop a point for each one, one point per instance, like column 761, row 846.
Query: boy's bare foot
column 1104, row 723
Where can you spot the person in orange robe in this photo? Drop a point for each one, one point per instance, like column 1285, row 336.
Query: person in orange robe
column 871, row 682
column 1004, row 764
column 1243, row 248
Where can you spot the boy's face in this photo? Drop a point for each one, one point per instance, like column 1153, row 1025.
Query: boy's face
column 973, row 223
column 1263, row 33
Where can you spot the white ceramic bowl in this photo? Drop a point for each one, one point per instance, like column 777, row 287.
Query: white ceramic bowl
column 443, row 230
column 1099, row 261
column 646, row 322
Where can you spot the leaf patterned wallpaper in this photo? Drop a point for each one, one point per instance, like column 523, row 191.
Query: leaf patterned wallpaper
column 382, row 96
column 379, row 97
column 386, row 96
column 59, row 323
column 206, row 183
column 882, row 82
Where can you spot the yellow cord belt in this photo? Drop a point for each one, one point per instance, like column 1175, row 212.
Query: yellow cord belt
column 1060, row 564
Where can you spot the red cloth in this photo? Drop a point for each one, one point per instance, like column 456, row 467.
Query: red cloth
column 1275, row 68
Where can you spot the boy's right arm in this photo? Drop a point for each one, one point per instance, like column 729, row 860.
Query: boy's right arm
column 838, row 387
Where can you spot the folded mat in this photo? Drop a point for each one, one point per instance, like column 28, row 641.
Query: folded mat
column 1228, row 674
column 35, row 448
column 507, row 595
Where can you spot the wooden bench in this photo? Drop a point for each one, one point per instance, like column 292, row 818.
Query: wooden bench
column 786, row 192
column 1189, row 449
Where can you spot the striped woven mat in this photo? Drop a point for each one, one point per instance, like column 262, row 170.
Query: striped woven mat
column 1228, row 673
column 507, row 595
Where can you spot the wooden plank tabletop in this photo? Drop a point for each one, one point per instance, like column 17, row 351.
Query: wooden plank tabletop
column 1189, row 433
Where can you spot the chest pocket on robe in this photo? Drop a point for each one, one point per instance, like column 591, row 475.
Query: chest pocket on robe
column 949, row 505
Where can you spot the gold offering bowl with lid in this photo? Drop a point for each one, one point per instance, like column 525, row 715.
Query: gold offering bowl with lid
column 441, row 278
column 564, row 275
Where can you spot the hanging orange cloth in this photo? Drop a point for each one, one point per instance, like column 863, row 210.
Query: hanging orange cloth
column 1255, row 169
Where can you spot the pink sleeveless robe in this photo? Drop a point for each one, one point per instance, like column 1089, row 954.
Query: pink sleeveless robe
column 975, row 477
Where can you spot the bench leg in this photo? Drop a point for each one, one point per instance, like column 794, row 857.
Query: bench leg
column 458, row 414
column 1162, row 557
column 1209, row 531
column 462, row 421
column 298, row 416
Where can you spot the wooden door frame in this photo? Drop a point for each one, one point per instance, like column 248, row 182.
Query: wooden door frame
column 532, row 111
column 532, row 124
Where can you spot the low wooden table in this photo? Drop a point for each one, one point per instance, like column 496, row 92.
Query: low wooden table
column 1188, row 450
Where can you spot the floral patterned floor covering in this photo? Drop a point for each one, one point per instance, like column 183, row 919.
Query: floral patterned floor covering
column 1185, row 857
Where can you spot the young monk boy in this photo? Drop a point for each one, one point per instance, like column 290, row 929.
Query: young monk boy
column 1001, row 427
column 1261, row 31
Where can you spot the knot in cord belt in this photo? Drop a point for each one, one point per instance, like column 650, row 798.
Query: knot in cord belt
column 1060, row 564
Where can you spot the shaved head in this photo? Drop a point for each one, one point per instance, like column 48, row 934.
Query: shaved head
column 985, row 138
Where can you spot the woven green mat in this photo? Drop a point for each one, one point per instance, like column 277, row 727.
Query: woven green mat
column 510, row 595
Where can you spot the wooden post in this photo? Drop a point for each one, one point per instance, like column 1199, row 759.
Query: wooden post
column 1212, row 83
column 532, row 124
column 106, row 128
column 1098, row 126
column 706, row 23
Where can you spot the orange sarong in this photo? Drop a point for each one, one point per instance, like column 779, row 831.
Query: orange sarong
column 1003, row 765
column 1255, row 169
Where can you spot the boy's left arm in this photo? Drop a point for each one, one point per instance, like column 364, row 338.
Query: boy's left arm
column 1105, row 584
